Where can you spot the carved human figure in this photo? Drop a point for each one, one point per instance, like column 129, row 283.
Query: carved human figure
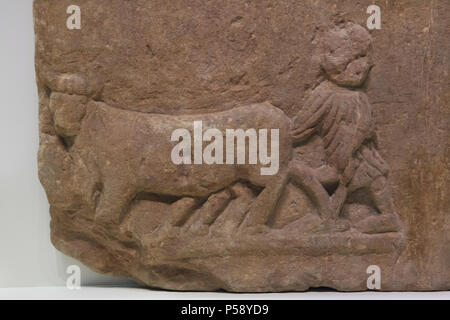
column 340, row 114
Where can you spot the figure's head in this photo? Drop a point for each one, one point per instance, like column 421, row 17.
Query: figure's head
column 345, row 54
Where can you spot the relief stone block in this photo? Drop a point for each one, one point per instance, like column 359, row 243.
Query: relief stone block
column 249, row 146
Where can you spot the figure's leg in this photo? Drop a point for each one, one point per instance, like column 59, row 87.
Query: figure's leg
column 338, row 199
column 387, row 219
column 380, row 192
column 372, row 175
column 264, row 205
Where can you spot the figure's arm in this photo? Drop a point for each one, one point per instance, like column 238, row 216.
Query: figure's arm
column 308, row 119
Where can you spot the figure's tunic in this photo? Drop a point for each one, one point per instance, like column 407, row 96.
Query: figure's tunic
column 341, row 117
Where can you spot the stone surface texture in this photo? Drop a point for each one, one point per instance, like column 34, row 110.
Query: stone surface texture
column 364, row 141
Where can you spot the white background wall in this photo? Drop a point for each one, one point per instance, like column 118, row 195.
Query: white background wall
column 27, row 258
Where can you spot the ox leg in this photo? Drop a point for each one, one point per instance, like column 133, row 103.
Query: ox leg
column 264, row 205
column 114, row 200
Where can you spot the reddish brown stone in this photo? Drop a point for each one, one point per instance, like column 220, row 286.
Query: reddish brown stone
column 364, row 131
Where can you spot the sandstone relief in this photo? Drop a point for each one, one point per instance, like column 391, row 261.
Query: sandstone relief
column 229, row 188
